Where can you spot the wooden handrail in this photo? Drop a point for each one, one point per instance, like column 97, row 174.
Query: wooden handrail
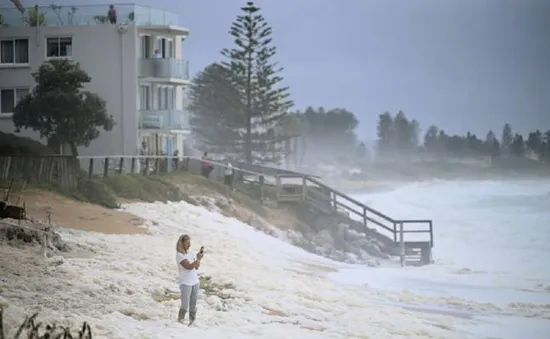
column 393, row 230
column 350, row 199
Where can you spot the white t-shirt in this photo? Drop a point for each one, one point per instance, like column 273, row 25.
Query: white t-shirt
column 187, row 277
column 229, row 169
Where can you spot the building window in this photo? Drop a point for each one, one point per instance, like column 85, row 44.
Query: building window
column 145, row 46
column 144, row 97
column 165, row 47
column 165, row 98
column 14, row 51
column 9, row 97
column 59, row 47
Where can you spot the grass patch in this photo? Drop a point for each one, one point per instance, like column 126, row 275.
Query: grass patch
column 94, row 191
column 209, row 288
column 243, row 198
column 145, row 188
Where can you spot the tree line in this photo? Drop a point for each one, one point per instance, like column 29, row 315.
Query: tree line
column 397, row 135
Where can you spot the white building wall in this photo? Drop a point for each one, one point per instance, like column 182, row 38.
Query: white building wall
column 108, row 56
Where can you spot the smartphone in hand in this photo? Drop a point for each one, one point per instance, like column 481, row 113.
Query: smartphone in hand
column 202, row 250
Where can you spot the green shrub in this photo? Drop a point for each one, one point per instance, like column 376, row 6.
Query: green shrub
column 11, row 144
column 146, row 188
column 96, row 192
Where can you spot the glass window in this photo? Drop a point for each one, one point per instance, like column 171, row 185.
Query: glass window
column 7, row 101
column 14, row 51
column 9, row 97
column 59, row 47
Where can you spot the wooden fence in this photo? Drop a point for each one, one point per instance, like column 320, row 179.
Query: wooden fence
column 61, row 171
column 258, row 181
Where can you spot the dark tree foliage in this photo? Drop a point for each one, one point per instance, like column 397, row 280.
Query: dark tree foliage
column 326, row 134
column 216, row 110
column 58, row 107
column 397, row 134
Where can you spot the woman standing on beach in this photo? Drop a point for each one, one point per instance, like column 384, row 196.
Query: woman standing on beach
column 188, row 264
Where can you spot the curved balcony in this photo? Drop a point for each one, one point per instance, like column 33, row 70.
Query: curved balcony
column 164, row 70
column 172, row 119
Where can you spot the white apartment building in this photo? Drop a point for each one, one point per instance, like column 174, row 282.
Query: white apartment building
column 143, row 89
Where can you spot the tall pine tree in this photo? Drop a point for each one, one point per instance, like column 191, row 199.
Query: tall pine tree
column 216, row 113
column 506, row 139
column 256, row 77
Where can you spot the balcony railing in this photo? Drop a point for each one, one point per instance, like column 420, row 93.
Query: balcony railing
column 84, row 15
column 164, row 68
column 163, row 119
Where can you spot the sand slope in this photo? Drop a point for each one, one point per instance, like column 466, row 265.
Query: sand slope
column 66, row 212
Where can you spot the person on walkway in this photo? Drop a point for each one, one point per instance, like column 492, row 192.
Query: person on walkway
column 111, row 14
column 206, row 165
column 228, row 175
column 188, row 264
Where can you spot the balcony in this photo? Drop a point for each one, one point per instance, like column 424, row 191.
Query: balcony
column 163, row 119
column 165, row 70
column 86, row 15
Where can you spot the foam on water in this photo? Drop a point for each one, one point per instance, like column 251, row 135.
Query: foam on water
column 491, row 241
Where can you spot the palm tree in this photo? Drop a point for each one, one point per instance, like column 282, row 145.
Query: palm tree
column 36, row 18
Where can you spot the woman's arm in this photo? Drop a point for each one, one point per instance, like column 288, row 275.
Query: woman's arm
column 190, row 265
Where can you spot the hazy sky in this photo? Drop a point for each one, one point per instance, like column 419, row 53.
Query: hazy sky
column 461, row 65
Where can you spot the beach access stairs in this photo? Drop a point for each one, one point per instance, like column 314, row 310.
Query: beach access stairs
column 410, row 239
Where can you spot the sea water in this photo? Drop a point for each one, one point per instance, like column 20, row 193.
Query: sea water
column 492, row 244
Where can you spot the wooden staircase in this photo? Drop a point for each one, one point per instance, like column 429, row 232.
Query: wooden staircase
column 411, row 240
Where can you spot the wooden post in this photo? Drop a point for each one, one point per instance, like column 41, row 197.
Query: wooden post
column 133, row 165
column 431, row 234
column 45, row 240
column 7, row 169
column 304, row 188
column 157, row 164
column 106, row 168
column 262, row 187
column 365, row 217
column 121, row 165
column 278, row 186
column 146, row 169
column 40, row 169
column 401, row 245
column 91, row 168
